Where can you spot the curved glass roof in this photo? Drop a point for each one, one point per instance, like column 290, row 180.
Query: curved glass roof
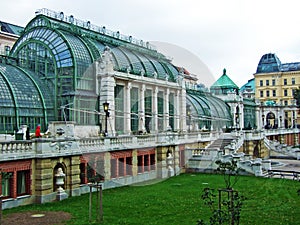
column 61, row 50
column 207, row 107
column 87, row 44
column 23, row 95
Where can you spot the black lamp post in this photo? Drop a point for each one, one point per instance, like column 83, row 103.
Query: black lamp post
column 263, row 120
column 105, row 107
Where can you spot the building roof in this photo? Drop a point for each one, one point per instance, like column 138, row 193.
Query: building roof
column 224, row 82
column 206, row 107
column 270, row 63
column 11, row 28
column 75, row 43
column 250, row 85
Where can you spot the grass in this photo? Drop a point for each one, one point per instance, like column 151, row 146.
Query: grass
column 177, row 201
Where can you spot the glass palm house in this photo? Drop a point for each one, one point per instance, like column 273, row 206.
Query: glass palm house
column 51, row 67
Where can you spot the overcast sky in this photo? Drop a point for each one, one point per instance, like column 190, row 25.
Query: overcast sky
column 203, row 36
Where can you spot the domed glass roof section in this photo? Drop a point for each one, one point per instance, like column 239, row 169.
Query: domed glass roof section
column 24, row 99
column 268, row 63
column 208, row 110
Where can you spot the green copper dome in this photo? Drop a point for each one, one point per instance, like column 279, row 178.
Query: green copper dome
column 223, row 85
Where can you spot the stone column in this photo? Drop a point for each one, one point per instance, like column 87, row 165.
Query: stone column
column 177, row 111
column 155, row 110
column 166, row 109
column 107, row 166
column 258, row 118
column 182, row 110
column 134, row 162
column 106, row 84
column 142, row 109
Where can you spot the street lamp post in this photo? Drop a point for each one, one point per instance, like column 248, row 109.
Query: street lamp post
column 105, row 107
column 263, row 121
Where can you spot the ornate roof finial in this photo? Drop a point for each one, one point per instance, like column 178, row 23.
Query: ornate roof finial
column 224, row 71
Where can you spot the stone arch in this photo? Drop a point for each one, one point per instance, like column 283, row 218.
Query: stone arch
column 55, row 169
column 271, row 121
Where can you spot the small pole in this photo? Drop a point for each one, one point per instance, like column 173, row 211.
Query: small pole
column 100, row 207
column 90, row 206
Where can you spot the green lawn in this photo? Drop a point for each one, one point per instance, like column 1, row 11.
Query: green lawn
column 177, row 201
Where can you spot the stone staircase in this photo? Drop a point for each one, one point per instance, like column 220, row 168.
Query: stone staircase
column 203, row 160
column 221, row 142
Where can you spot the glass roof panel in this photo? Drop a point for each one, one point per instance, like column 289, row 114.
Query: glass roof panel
column 81, row 54
column 122, row 60
column 134, row 61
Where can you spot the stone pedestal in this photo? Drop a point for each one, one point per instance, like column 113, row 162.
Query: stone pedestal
column 60, row 176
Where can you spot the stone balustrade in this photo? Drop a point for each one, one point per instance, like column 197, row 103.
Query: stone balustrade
column 63, row 145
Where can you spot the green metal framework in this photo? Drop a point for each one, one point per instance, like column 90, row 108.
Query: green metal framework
column 61, row 51
column 24, row 100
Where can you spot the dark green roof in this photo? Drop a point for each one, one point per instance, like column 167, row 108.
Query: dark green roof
column 224, row 82
column 11, row 28
column 249, row 85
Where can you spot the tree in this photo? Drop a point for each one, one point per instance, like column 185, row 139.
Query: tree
column 227, row 204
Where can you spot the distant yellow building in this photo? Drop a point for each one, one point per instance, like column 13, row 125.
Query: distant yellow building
column 9, row 34
column 275, row 84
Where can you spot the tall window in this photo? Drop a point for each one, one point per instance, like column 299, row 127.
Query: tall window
column 274, row 93
column 7, row 185
column 267, row 82
column 134, row 103
column 121, row 164
column 273, row 82
column 119, row 109
column 148, row 110
column 293, row 81
column 160, row 110
column 261, row 93
column 171, row 110
column 285, row 81
column 23, row 178
column 146, row 161
column 268, row 93
column 285, row 92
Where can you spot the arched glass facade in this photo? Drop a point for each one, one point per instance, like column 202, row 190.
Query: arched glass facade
column 24, row 100
column 62, row 54
column 208, row 111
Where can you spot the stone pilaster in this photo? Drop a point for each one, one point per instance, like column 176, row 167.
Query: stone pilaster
column 127, row 109
column 106, row 85
column 134, row 162
column 44, row 189
column 74, row 176
column 107, row 165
